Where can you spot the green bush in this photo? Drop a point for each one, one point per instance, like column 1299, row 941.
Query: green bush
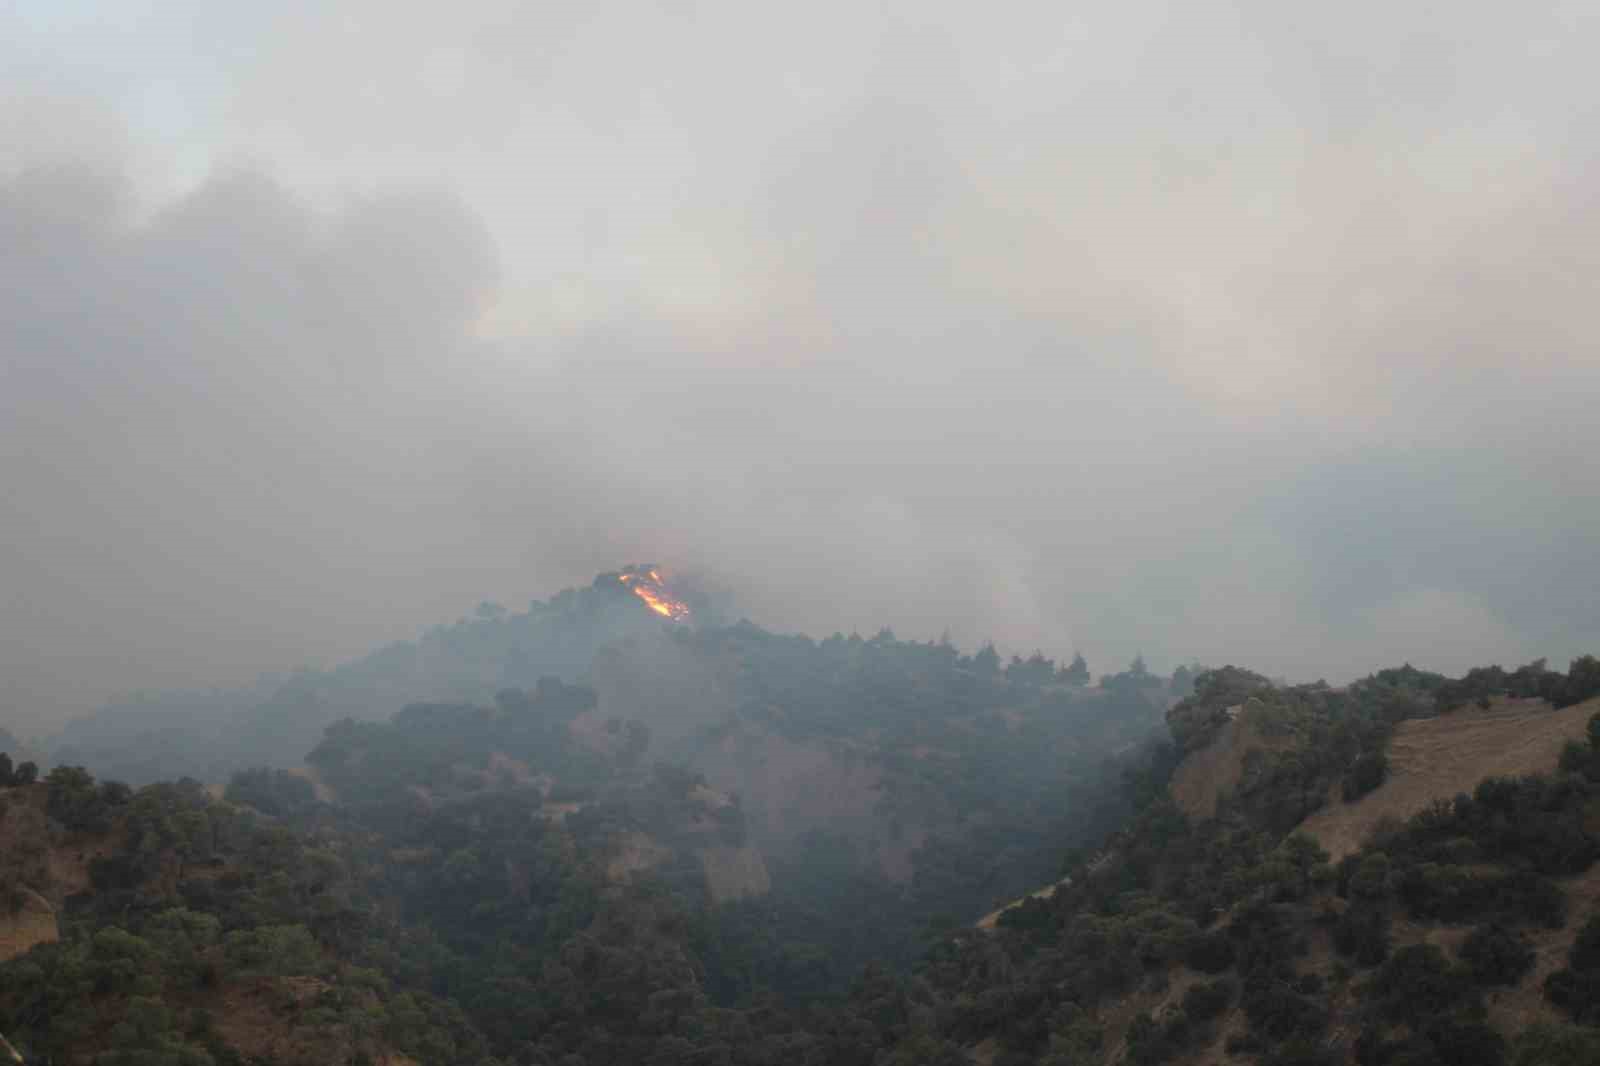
column 275, row 792
column 1206, row 1000
column 1362, row 933
column 1210, row 952
column 1575, row 988
column 1369, row 771
column 1496, row 955
column 273, row 950
column 1417, row 983
column 1556, row 1045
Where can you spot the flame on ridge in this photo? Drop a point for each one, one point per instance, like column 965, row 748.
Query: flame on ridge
column 646, row 583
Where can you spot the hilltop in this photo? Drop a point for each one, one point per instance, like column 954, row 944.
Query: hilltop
column 887, row 748
column 274, row 721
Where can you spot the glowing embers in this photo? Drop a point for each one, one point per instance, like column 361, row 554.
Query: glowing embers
column 647, row 584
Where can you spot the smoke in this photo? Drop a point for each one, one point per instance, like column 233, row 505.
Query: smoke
column 1229, row 335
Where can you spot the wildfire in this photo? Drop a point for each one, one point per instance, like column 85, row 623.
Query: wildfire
column 647, row 584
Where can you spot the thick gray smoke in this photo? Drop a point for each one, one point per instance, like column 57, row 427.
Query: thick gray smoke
column 1258, row 335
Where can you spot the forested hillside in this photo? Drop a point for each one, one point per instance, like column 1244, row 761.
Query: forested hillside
column 1463, row 935
column 522, row 878
column 958, row 778
column 782, row 856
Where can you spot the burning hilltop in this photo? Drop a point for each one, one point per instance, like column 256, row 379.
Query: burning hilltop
column 647, row 583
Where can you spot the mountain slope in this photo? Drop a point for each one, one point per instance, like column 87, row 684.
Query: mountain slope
column 1456, row 937
column 774, row 854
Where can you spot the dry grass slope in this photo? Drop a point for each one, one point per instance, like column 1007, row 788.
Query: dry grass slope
column 34, row 922
column 1437, row 758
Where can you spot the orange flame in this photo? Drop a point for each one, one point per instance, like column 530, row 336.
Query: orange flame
column 649, row 587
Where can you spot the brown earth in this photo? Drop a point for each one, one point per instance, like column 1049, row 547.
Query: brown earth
column 32, row 923
column 634, row 853
column 734, row 873
column 44, row 868
column 990, row 920
column 1437, row 758
column 261, row 1018
column 1216, row 769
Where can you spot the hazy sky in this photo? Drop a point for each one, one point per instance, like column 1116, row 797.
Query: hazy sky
column 1251, row 332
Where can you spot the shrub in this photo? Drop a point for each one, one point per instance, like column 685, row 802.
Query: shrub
column 1207, row 999
column 1362, row 933
column 1368, row 772
column 1465, row 1043
column 275, row 792
column 1582, row 759
column 1151, row 1042
column 1300, row 1052
column 1583, row 680
column 1575, row 988
column 1586, row 947
column 278, row 951
column 1496, row 955
column 1556, row 1045
column 78, row 804
column 1417, row 983
column 1210, row 952
column 1279, row 1014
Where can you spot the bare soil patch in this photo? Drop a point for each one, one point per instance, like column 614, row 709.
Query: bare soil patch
column 1216, row 769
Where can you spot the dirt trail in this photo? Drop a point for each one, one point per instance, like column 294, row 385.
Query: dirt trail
column 1436, row 758
column 990, row 920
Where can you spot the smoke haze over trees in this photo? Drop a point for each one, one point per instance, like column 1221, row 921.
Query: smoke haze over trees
column 945, row 359
column 1227, row 335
